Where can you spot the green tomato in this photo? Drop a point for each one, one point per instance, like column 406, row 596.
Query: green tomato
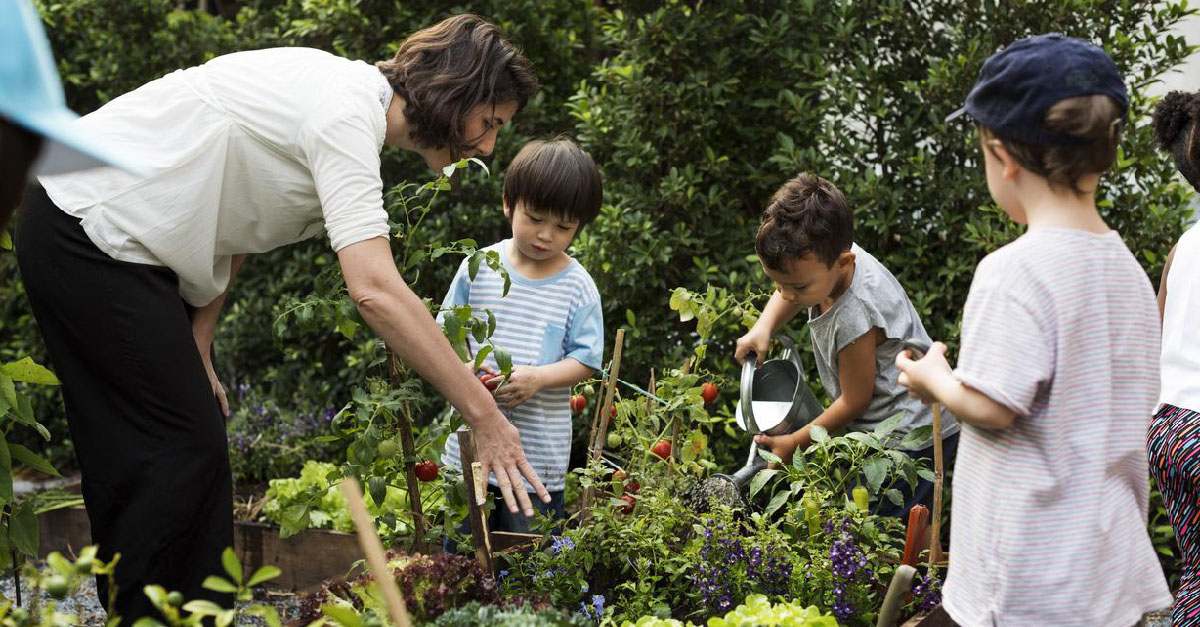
column 175, row 599
column 84, row 565
column 614, row 440
column 387, row 449
column 588, row 390
column 57, row 586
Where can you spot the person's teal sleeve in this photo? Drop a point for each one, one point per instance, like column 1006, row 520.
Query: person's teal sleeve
column 459, row 293
column 585, row 337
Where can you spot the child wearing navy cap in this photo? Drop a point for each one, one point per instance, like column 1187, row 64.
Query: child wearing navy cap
column 1058, row 371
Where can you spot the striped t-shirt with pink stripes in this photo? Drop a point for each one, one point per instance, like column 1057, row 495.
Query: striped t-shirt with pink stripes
column 1048, row 519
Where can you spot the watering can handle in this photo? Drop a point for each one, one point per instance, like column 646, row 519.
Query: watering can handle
column 792, row 354
column 916, row 348
column 749, row 364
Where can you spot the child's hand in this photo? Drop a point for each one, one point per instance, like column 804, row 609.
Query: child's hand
column 783, row 446
column 522, row 383
column 922, row 375
column 755, row 341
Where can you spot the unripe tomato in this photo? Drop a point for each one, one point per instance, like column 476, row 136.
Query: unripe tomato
column 84, row 565
column 387, row 449
column 662, row 449
column 588, row 390
column 709, row 392
column 426, row 470
column 175, row 599
column 614, row 440
column 57, row 586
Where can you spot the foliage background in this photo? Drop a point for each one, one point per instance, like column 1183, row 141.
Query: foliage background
column 696, row 111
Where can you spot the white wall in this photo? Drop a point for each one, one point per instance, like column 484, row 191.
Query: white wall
column 1186, row 77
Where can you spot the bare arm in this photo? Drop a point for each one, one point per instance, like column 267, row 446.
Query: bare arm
column 856, row 375
column 931, row 380
column 1162, row 285
column 399, row 317
column 204, row 328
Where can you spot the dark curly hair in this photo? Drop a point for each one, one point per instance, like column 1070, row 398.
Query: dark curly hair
column 1175, row 119
column 445, row 70
column 807, row 215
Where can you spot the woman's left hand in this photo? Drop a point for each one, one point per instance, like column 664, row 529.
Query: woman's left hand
column 522, row 383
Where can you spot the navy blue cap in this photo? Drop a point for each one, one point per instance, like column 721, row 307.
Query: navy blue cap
column 1019, row 84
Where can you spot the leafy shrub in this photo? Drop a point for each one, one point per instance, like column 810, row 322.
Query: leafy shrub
column 314, row 501
column 757, row 610
column 267, row 441
column 477, row 615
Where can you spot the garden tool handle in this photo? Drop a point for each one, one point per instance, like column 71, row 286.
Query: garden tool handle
column 749, row 365
column 899, row 587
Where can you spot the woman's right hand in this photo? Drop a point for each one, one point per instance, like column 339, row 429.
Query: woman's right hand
column 757, row 341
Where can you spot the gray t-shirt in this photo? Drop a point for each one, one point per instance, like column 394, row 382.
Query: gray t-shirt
column 874, row 299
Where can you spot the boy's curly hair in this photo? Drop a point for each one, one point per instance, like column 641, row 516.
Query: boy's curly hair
column 808, row 214
column 1175, row 119
column 445, row 70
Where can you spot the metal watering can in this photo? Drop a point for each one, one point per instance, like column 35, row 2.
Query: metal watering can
column 775, row 400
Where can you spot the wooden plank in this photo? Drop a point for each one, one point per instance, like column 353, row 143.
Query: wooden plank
column 476, row 510
column 597, row 444
column 372, row 548
column 935, row 533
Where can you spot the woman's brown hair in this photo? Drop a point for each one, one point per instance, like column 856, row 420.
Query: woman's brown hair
column 1095, row 121
column 445, row 70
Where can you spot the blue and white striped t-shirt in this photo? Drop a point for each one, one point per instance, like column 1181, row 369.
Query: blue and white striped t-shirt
column 539, row 322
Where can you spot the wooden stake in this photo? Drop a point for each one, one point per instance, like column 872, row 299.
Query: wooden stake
column 614, row 372
column 935, row 532
column 368, row 539
column 408, row 448
column 476, row 499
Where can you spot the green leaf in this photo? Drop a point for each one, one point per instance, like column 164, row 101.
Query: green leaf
column 818, row 433
column 269, row 614
column 347, row 327
column 894, row 496
column 504, row 361
column 481, row 356
column 218, row 584
column 885, row 428
column 919, row 438
column 230, row 561
column 769, row 456
column 33, row 460
column 6, row 241
column 23, row 529
column 266, row 573
column 6, row 484
column 345, row 616
column 7, row 391
column 875, row 470
column 866, row 438
column 926, row 474
column 761, row 479
column 204, row 607
column 473, row 265
column 29, row 371
column 777, row 501
column 156, row 594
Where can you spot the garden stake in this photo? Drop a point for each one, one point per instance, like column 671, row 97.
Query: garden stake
column 896, row 591
column 601, row 425
column 410, row 474
column 935, row 533
column 368, row 539
column 476, row 513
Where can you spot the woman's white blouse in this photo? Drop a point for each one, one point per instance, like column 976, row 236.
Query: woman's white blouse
column 248, row 152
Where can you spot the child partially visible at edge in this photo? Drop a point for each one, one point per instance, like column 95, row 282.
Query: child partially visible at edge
column 550, row 321
column 858, row 318
column 1058, row 370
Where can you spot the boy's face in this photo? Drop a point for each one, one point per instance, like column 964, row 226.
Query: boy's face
column 808, row 281
column 540, row 235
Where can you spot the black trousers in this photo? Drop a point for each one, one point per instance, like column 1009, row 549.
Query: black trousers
column 148, row 432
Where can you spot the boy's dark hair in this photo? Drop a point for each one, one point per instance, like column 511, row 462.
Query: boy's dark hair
column 555, row 176
column 807, row 215
column 1175, row 119
column 1096, row 122
column 445, row 70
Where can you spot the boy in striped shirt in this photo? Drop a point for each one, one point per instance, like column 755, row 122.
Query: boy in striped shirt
column 1058, row 371
column 550, row 321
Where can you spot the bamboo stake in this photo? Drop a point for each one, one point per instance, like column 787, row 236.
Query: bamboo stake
column 601, row 425
column 408, row 448
column 935, row 533
column 687, row 368
column 368, row 539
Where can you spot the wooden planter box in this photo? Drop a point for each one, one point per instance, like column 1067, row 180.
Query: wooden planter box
column 306, row 559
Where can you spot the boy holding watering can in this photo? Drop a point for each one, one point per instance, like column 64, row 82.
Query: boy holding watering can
column 858, row 317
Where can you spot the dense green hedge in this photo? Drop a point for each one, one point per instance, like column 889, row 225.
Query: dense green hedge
column 696, row 112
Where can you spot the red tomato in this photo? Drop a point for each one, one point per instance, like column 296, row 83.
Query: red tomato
column 578, row 403
column 709, row 392
column 490, row 381
column 630, row 501
column 427, row 470
column 633, row 486
column 662, row 449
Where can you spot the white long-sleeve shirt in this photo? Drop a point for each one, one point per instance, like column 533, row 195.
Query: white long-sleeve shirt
column 246, row 153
